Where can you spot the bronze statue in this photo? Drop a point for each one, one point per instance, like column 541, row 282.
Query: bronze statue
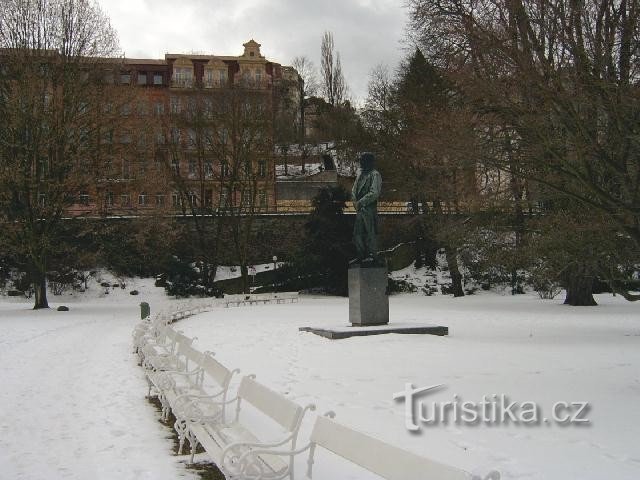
column 365, row 193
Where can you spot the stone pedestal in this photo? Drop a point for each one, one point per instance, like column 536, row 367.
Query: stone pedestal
column 368, row 300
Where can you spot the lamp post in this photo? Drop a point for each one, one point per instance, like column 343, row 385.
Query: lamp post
column 275, row 265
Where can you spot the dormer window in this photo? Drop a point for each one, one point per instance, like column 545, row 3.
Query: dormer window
column 182, row 73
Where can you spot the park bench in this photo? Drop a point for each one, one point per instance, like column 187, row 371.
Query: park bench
column 260, row 298
column 176, row 373
column 160, row 354
column 147, row 327
column 204, row 402
column 376, row 456
column 237, row 449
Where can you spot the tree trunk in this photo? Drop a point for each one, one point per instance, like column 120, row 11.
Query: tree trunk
column 40, row 288
column 244, row 272
column 456, row 276
column 579, row 287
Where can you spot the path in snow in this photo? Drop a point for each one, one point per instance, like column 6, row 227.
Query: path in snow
column 72, row 400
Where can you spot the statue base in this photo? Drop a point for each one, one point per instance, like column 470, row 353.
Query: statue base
column 368, row 299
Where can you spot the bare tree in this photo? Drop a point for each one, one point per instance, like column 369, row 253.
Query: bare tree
column 554, row 86
column 307, row 71
column 52, row 72
column 334, row 87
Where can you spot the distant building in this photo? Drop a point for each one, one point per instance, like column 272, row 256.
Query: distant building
column 198, row 130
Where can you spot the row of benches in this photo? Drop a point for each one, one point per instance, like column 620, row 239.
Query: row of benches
column 195, row 387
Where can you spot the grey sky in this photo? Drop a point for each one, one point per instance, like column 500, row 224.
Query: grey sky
column 366, row 32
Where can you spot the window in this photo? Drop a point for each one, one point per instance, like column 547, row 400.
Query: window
column 125, row 138
column 108, row 78
column 159, row 200
column 158, row 108
column 142, row 199
column 175, row 135
column 224, row 169
column 191, row 134
column 208, row 78
column 142, row 78
column 126, row 169
column 107, row 137
column 246, row 198
column 223, row 77
column 83, row 199
column 125, row 111
column 192, row 167
column 42, row 199
column 262, row 199
column 207, row 197
column 224, row 199
column 143, row 108
column 258, row 77
column 183, row 76
column 142, row 140
column 175, row 200
column 208, row 169
column 108, row 200
column 125, row 200
column 158, row 79
column 125, row 78
column 207, row 107
column 262, row 168
column 174, row 104
column 160, row 138
column 193, row 199
column 175, row 165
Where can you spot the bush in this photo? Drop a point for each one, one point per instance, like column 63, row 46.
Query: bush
column 400, row 286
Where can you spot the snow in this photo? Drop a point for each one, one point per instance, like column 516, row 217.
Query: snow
column 72, row 396
column 524, row 347
column 73, row 406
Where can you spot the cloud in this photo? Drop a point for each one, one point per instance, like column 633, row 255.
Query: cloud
column 366, row 32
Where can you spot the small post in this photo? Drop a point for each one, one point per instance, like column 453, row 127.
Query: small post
column 145, row 310
column 275, row 265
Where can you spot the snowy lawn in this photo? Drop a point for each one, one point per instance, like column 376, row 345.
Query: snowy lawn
column 72, row 400
column 523, row 347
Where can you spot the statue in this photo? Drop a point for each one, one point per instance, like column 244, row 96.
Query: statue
column 365, row 193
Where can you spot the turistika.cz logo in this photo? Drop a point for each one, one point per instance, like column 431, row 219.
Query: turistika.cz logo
column 494, row 409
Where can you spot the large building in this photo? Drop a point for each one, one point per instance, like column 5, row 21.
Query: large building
column 195, row 132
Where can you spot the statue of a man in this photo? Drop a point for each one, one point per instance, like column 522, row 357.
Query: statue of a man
column 365, row 193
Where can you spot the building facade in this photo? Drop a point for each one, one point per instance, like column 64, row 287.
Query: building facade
column 195, row 133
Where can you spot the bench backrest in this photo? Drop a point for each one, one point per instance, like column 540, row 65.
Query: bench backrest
column 214, row 369
column 280, row 409
column 387, row 461
column 191, row 356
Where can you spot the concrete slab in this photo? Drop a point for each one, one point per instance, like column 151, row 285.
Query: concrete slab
column 337, row 333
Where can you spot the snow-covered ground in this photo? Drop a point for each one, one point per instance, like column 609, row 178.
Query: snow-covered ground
column 72, row 400
column 72, row 396
column 523, row 347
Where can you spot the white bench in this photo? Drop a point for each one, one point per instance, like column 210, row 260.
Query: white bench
column 176, row 374
column 161, row 354
column 237, row 449
column 207, row 406
column 376, row 456
column 260, row 298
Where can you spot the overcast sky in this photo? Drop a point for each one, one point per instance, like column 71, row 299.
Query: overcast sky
column 366, row 32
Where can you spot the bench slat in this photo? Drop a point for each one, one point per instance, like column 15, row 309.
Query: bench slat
column 391, row 463
column 281, row 409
